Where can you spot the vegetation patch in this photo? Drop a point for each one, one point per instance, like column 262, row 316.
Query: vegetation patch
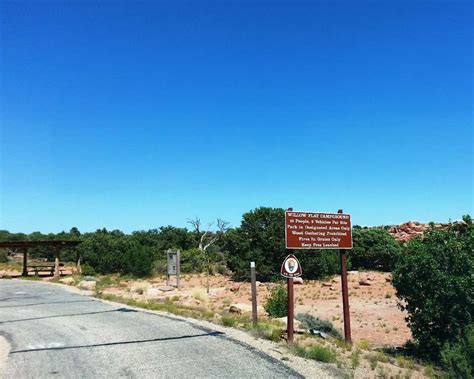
column 310, row 322
column 317, row 352
column 276, row 304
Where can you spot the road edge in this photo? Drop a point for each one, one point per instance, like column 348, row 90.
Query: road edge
column 273, row 351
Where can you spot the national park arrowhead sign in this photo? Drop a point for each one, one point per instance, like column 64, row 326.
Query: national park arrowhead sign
column 317, row 230
column 291, row 267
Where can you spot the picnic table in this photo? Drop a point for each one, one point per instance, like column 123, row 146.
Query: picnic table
column 48, row 266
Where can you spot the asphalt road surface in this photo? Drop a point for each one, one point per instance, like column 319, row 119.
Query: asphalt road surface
column 56, row 333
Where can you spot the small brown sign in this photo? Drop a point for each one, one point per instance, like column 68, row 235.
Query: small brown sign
column 310, row 230
column 291, row 267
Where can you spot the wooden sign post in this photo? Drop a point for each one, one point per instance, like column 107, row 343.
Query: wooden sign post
column 345, row 294
column 253, row 280
column 312, row 230
column 290, row 269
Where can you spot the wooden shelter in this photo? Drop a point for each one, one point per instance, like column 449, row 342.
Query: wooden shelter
column 23, row 246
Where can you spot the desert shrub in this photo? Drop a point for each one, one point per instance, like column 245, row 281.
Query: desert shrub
column 434, row 279
column 219, row 268
column 268, row 331
column 3, row 257
column 316, row 352
column 159, row 266
column 374, row 249
column 355, row 358
column 166, row 237
column 201, row 295
column 110, row 253
column 193, row 260
column 458, row 358
column 228, row 320
column 87, row 270
column 260, row 238
column 311, row 322
column 322, row 263
column 276, row 304
column 320, row 353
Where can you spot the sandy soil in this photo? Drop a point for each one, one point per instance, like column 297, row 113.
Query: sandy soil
column 375, row 316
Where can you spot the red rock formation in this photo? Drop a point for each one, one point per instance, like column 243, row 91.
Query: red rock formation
column 408, row 230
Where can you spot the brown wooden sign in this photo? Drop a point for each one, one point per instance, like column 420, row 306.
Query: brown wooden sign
column 311, row 230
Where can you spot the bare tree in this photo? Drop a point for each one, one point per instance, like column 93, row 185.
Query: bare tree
column 207, row 238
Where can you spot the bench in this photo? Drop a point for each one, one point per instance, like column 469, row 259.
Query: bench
column 37, row 267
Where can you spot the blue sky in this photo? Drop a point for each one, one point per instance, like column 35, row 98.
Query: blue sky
column 133, row 115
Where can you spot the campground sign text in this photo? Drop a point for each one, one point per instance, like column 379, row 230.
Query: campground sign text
column 310, row 230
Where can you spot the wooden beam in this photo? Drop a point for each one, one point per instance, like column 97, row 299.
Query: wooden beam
column 25, row 263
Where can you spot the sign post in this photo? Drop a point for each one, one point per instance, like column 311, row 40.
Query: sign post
column 345, row 294
column 290, row 269
column 320, row 230
column 291, row 311
column 253, row 279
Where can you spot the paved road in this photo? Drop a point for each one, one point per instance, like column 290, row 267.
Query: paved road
column 55, row 333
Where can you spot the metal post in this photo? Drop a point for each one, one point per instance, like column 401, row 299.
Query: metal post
column 178, row 268
column 25, row 263
column 345, row 294
column 167, row 268
column 253, row 278
column 291, row 311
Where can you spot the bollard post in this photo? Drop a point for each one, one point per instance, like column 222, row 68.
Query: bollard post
column 253, row 278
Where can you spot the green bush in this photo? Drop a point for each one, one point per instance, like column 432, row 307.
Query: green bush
column 318, row 264
column 87, row 270
column 193, row 260
column 374, row 249
column 458, row 358
column 435, row 283
column 321, row 354
column 276, row 304
column 317, row 352
column 268, row 331
column 228, row 320
column 311, row 322
column 219, row 268
column 261, row 239
column 109, row 253
column 3, row 257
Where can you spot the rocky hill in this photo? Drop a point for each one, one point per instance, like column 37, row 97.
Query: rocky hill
column 408, row 230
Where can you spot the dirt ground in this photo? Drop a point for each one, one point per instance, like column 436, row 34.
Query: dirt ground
column 375, row 316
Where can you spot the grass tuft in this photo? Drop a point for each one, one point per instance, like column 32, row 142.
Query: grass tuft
column 228, row 320
column 316, row 352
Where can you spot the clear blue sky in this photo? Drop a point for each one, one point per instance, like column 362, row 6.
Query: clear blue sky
column 134, row 115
